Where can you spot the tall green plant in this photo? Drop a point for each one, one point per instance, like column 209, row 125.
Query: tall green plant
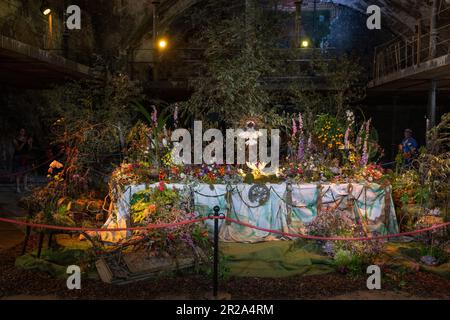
column 91, row 119
column 239, row 48
column 157, row 124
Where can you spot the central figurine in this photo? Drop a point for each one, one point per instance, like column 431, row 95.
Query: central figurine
column 239, row 143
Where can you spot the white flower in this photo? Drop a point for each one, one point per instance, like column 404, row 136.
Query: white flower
column 243, row 135
column 250, row 134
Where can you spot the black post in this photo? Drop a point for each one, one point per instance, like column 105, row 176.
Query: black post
column 25, row 241
column 41, row 240
column 50, row 238
column 216, row 251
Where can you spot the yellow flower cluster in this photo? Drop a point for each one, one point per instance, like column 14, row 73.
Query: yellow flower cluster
column 352, row 157
column 330, row 140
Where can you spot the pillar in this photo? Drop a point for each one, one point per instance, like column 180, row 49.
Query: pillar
column 315, row 25
column 155, row 4
column 432, row 104
column 433, row 30
column 65, row 35
column 298, row 23
column 431, row 114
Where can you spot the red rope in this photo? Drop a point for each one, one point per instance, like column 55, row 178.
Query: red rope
column 177, row 224
column 148, row 227
column 9, row 175
column 291, row 235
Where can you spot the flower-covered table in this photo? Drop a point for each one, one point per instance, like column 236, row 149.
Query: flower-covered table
column 283, row 207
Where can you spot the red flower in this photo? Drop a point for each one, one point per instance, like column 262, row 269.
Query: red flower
column 161, row 186
column 211, row 176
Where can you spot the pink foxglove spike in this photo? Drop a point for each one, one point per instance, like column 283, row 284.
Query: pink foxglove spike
column 346, row 139
column 294, row 127
column 300, row 122
column 154, row 115
column 175, row 114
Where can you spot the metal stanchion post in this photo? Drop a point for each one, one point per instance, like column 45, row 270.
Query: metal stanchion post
column 41, row 240
column 216, row 252
column 215, row 294
column 25, row 242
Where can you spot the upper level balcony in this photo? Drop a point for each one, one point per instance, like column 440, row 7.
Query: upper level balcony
column 35, row 52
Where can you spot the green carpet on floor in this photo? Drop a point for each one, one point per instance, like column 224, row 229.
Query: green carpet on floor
column 275, row 259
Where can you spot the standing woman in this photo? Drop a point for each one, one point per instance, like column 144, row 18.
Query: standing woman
column 23, row 144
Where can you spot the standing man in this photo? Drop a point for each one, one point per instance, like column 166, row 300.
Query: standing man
column 409, row 147
column 23, row 144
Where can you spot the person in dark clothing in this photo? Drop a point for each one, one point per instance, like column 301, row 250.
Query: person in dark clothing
column 23, row 144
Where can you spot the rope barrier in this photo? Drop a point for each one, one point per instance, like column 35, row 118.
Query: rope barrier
column 62, row 228
column 34, row 168
column 291, row 235
column 186, row 222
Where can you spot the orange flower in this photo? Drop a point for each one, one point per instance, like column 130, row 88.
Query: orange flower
column 54, row 165
column 211, row 176
column 152, row 208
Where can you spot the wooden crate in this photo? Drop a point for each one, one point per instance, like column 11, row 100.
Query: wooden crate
column 138, row 266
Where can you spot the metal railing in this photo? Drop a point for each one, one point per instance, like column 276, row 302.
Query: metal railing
column 410, row 51
column 188, row 64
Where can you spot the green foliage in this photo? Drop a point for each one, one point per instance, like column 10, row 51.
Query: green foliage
column 237, row 58
column 404, row 199
column 91, row 118
column 246, row 58
column 199, row 236
column 224, row 270
column 425, row 181
column 138, row 143
column 231, row 91
column 438, row 252
column 439, row 136
column 155, row 133
column 152, row 202
column 422, row 194
column 329, row 131
column 341, row 76
column 162, row 205
column 345, row 261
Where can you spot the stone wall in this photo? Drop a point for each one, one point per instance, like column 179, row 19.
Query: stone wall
column 22, row 20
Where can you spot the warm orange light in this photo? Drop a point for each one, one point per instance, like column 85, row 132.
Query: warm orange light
column 162, row 44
